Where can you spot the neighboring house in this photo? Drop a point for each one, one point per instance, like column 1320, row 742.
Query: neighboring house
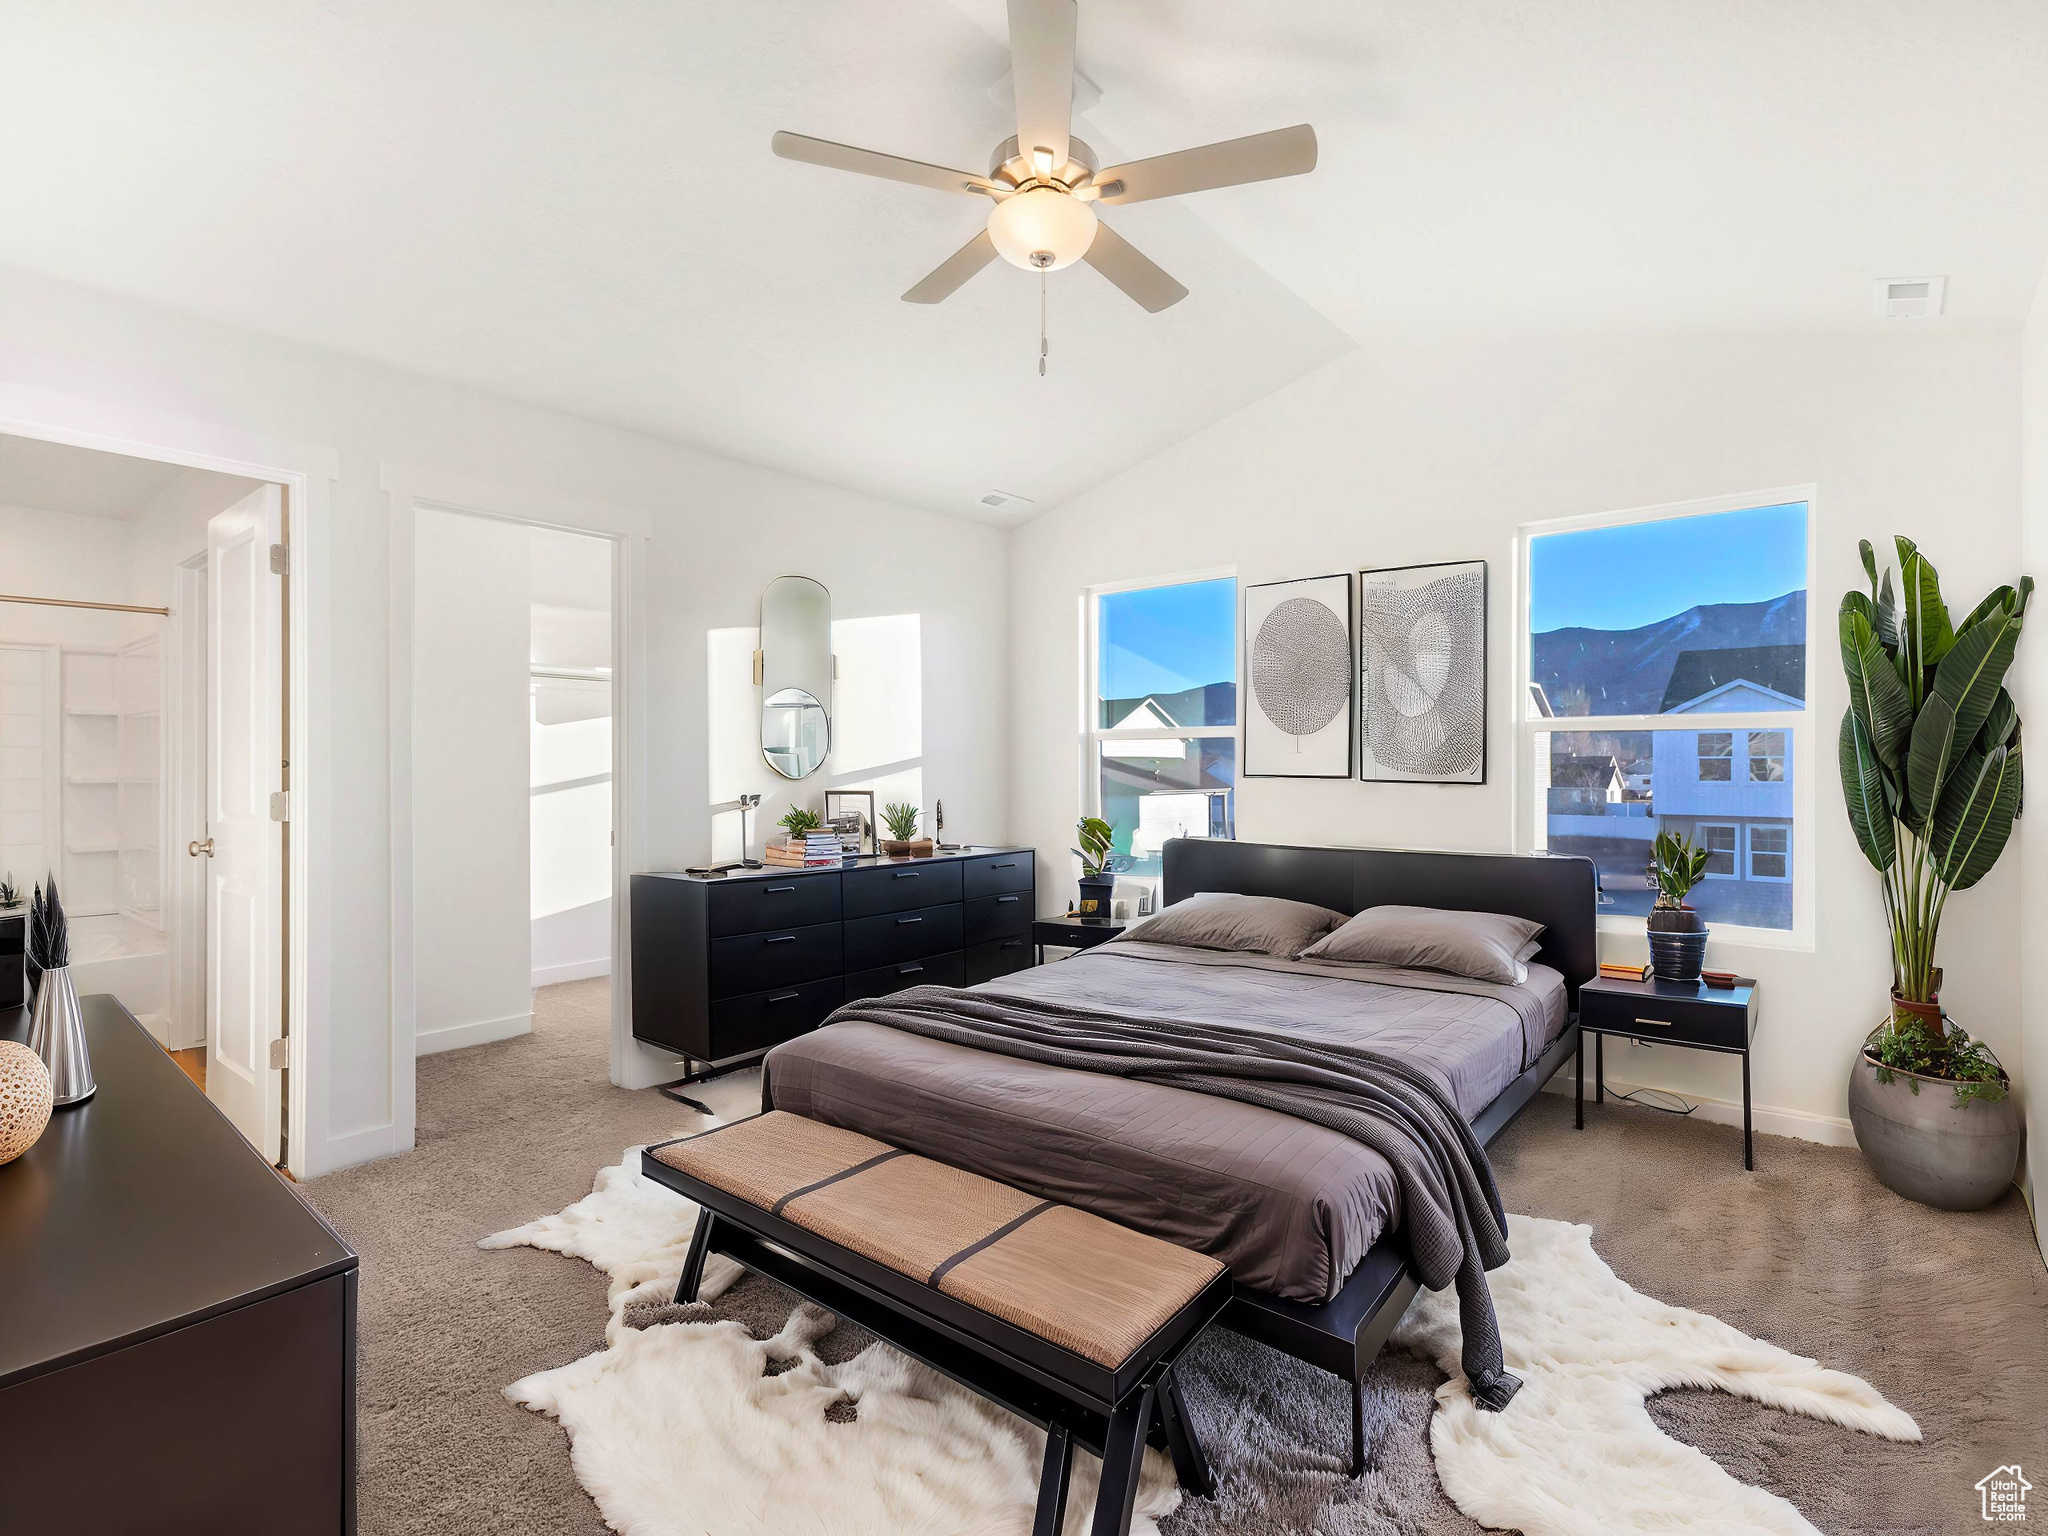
column 1584, row 785
column 1730, row 792
column 1162, row 787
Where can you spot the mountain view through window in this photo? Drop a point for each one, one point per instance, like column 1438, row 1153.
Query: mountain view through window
column 1701, row 617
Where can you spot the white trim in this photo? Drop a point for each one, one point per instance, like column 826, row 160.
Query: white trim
column 1749, row 832
column 456, row 1037
column 308, row 473
column 1768, row 1119
column 184, row 894
column 571, row 970
column 1799, row 727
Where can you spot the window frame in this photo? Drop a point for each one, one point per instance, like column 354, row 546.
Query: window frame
column 1094, row 735
column 1800, row 726
column 1749, row 851
column 1751, row 757
column 1700, row 759
column 1734, row 850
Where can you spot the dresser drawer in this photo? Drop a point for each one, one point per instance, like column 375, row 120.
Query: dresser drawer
column 759, row 1020
column 1651, row 1013
column 996, row 874
column 898, row 936
column 998, row 957
column 998, row 917
column 757, row 906
column 763, row 962
column 932, row 971
column 866, row 892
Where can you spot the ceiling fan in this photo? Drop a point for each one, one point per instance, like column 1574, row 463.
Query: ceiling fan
column 1046, row 184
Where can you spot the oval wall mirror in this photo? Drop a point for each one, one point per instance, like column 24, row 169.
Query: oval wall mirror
column 796, row 675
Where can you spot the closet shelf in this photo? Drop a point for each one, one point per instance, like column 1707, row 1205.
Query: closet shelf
column 90, row 778
column 92, row 847
column 92, row 714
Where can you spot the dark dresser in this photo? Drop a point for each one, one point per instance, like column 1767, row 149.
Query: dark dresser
column 728, row 966
column 14, row 958
column 177, row 1327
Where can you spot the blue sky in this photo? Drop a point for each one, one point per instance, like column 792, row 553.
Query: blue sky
column 1636, row 574
column 1164, row 639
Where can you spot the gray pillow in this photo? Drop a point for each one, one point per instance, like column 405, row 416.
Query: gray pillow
column 1483, row 945
column 1264, row 925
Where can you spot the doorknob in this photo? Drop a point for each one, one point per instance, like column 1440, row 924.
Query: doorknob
column 196, row 848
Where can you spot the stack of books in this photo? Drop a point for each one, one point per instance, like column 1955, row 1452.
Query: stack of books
column 815, row 850
column 1615, row 971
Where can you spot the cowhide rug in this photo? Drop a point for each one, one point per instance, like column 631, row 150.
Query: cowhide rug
column 689, row 1421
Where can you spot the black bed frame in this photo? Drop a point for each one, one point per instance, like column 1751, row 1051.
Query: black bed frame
column 1345, row 1333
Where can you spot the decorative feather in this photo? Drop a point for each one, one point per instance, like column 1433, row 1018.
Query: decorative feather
column 56, row 931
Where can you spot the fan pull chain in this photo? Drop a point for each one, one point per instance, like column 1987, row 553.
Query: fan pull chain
column 1044, row 346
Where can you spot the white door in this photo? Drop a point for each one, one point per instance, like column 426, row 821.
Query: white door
column 245, row 854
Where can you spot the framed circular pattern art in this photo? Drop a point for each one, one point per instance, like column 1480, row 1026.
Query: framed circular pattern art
column 1298, row 666
column 1422, row 674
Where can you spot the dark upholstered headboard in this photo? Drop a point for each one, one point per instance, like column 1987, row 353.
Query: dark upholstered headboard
column 1560, row 893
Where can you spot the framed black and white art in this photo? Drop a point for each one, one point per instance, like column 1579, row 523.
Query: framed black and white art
column 1422, row 674
column 1297, row 641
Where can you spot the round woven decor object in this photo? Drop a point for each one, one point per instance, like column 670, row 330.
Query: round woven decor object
column 24, row 1099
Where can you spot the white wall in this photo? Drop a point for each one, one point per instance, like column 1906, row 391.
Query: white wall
column 2031, row 690
column 470, row 801
column 721, row 530
column 1405, row 453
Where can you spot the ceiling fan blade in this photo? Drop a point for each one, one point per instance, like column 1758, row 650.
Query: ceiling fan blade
column 1260, row 157
column 868, row 162
column 953, row 271
column 1133, row 271
column 1042, row 72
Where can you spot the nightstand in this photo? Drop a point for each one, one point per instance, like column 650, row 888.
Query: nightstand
column 1071, row 933
column 1687, row 1013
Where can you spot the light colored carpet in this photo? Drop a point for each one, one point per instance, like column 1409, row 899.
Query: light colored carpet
column 1944, row 1314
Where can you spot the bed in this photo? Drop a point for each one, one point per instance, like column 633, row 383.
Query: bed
column 1308, row 1220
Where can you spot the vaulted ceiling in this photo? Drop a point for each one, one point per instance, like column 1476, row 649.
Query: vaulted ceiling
column 575, row 204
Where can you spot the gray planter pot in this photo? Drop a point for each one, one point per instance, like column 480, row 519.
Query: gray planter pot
column 1678, row 943
column 1094, row 905
column 1927, row 1147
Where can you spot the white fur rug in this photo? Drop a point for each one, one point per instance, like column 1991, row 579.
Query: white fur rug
column 678, row 1429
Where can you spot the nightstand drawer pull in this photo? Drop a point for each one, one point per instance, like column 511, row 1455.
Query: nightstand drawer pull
column 1660, row 1023
column 906, row 874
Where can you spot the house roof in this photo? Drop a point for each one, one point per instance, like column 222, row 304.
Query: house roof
column 1191, row 707
column 1780, row 668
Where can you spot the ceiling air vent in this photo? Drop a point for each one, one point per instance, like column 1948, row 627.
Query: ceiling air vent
column 1910, row 298
column 998, row 499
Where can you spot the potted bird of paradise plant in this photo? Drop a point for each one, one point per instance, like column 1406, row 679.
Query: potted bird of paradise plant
column 1931, row 771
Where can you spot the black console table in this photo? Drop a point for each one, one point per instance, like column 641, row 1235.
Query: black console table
column 1687, row 1013
column 726, row 967
column 180, row 1344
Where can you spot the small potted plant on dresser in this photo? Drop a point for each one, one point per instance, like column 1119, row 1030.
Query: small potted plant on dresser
column 903, row 841
column 1678, row 936
column 1930, row 758
column 1099, row 868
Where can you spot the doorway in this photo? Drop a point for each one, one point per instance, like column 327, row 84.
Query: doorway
column 144, row 627
column 513, row 859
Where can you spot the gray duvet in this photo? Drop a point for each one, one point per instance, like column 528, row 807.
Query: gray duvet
column 1290, row 1206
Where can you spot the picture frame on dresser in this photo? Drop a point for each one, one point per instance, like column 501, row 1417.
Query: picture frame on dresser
column 854, row 802
column 1422, row 670
column 1301, row 679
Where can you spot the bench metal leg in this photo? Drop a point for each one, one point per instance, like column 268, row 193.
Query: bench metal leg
column 1052, row 1482
column 1358, row 1426
column 1189, row 1464
column 693, row 1262
column 1123, row 1452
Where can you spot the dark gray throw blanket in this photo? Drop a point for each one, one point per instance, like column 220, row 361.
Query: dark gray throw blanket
column 1454, row 1222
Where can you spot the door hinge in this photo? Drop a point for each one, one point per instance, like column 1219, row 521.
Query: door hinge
column 281, row 806
column 280, row 559
column 280, row 1053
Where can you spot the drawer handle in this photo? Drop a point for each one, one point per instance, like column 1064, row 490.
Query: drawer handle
column 1660, row 1023
column 902, row 920
column 1001, row 899
column 908, row 970
column 1010, row 864
column 781, row 938
column 784, row 997
column 1011, row 943
column 906, row 874
column 778, row 890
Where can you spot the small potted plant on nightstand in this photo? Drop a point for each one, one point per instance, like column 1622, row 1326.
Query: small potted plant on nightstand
column 1678, row 938
column 1099, row 868
column 903, row 841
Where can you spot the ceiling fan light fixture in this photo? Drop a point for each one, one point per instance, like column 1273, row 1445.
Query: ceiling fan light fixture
column 1042, row 229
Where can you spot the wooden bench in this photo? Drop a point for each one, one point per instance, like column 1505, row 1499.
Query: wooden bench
column 1067, row 1320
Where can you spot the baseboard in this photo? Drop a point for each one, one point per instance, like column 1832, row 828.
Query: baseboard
column 1767, row 1119
column 455, row 1037
column 571, row 970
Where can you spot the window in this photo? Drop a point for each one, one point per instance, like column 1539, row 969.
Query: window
column 1666, row 651
column 1770, row 853
column 1717, row 756
column 1162, row 747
